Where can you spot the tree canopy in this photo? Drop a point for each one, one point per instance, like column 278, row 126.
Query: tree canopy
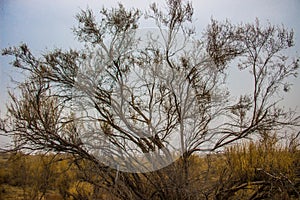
column 138, row 105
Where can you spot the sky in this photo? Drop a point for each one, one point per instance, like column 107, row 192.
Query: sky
column 47, row 24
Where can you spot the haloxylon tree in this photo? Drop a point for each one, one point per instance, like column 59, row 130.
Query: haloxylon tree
column 132, row 103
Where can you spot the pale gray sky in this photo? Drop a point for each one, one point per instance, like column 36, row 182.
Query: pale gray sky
column 44, row 24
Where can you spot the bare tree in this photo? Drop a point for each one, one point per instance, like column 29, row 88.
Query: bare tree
column 137, row 106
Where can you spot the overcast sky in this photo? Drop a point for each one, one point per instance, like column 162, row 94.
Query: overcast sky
column 46, row 24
